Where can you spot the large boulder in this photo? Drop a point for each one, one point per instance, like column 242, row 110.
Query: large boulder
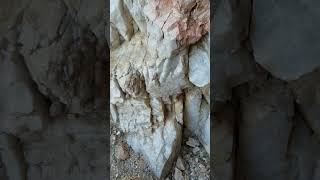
column 285, row 48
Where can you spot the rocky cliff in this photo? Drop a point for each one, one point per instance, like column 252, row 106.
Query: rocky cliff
column 160, row 76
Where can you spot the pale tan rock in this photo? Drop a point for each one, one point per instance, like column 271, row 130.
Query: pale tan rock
column 114, row 37
column 116, row 94
column 197, row 111
column 192, row 142
column 180, row 164
column 122, row 152
column 184, row 21
column 178, row 174
column 166, row 77
column 160, row 147
column 134, row 115
column 120, row 18
column 152, row 70
column 136, row 10
column 157, row 110
column 132, row 82
column 206, row 93
column 178, row 108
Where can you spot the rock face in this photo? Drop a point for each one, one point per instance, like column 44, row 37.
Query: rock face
column 152, row 72
column 266, row 98
column 52, row 84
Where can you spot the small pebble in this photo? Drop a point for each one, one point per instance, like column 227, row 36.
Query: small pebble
column 203, row 169
column 122, row 152
column 178, row 174
column 180, row 164
column 192, row 142
column 195, row 150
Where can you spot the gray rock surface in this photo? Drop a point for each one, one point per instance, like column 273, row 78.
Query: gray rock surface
column 276, row 28
column 52, row 84
column 265, row 80
column 266, row 122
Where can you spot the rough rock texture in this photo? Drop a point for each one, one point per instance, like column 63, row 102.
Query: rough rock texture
column 53, row 84
column 265, row 90
column 160, row 52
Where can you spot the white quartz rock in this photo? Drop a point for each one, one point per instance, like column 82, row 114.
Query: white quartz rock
column 199, row 64
column 114, row 37
column 121, row 19
column 197, row 116
column 136, row 10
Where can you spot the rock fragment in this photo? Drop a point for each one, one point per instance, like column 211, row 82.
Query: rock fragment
column 122, row 152
column 192, row 142
column 180, row 164
column 178, row 174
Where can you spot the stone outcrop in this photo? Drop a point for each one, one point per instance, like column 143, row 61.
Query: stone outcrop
column 160, row 54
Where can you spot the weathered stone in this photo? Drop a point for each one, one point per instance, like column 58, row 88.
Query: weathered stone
column 134, row 115
column 170, row 25
column 158, row 110
column 120, row 18
column 114, row 37
column 160, row 148
column 192, row 142
column 179, row 110
column 152, row 70
column 166, row 77
column 122, row 151
column 136, row 11
column 180, row 164
column 197, row 112
column 178, row 174
column 199, row 64
column 116, row 94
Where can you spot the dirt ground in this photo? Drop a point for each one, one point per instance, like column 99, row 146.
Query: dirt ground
column 128, row 165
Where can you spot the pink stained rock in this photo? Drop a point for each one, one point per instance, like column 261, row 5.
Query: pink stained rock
column 185, row 20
